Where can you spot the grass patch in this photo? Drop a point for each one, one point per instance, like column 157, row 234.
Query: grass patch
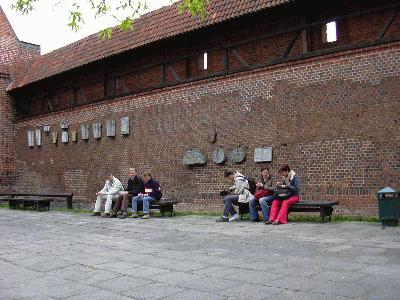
column 73, row 211
column 292, row 217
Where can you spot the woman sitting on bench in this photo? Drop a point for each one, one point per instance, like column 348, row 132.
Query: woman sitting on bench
column 286, row 194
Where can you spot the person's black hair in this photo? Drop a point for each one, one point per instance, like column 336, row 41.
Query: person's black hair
column 228, row 173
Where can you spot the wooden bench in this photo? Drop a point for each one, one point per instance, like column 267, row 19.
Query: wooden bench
column 38, row 203
column 324, row 207
column 41, row 198
column 164, row 205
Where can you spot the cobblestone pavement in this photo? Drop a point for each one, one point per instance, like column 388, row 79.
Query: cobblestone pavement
column 54, row 255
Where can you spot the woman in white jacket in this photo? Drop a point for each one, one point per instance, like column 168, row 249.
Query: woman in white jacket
column 239, row 192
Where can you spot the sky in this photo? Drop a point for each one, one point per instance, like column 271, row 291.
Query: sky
column 47, row 24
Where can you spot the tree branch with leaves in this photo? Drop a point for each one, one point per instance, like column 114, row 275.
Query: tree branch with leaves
column 131, row 9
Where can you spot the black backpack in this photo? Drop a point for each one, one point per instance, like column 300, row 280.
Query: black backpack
column 252, row 185
column 251, row 182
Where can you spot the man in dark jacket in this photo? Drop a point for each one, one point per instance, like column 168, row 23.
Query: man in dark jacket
column 152, row 192
column 134, row 188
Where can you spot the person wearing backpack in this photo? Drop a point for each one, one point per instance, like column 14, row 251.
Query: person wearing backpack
column 239, row 192
column 263, row 194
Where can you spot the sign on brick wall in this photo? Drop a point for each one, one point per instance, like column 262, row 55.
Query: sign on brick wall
column 96, row 130
column 38, row 137
column 85, row 131
column 263, row 154
column 125, row 125
column 110, row 127
column 31, row 138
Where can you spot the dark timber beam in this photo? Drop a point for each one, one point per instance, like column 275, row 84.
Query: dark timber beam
column 240, row 58
column 388, row 23
column 173, row 72
column 291, row 44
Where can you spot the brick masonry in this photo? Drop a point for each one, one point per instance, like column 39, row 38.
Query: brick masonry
column 12, row 51
column 334, row 119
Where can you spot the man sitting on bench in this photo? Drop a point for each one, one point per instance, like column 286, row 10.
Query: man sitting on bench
column 110, row 191
column 135, row 187
column 152, row 193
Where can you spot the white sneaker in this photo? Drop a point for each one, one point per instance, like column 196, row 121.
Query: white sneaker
column 235, row 217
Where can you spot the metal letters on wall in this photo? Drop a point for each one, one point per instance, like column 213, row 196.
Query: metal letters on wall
column 194, row 157
column 238, row 155
column 219, row 156
column 38, row 136
column 125, row 125
column 96, row 130
column 263, row 154
column 31, row 138
column 54, row 136
column 110, row 126
column 85, row 131
column 64, row 136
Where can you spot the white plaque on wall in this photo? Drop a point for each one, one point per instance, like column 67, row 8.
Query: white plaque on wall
column 97, row 130
column 85, row 131
column 263, row 154
column 64, row 136
column 54, row 137
column 125, row 125
column 110, row 126
column 31, row 138
column 38, row 137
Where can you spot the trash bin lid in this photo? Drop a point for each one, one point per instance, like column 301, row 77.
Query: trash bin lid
column 387, row 189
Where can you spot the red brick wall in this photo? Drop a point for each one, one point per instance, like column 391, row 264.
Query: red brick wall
column 12, row 51
column 334, row 119
column 7, row 162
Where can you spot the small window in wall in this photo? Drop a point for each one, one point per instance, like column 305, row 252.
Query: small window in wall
column 205, row 61
column 329, row 34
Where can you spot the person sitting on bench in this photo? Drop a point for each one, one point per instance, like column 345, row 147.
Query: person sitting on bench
column 240, row 193
column 134, row 188
column 286, row 194
column 110, row 191
column 152, row 193
column 263, row 194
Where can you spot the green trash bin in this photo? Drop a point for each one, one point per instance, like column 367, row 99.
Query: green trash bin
column 389, row 206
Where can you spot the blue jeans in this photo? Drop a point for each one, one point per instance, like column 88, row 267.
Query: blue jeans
column 264, row 206
column 253, row 209
column 146, row 203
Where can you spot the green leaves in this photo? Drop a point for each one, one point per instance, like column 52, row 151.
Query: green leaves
column 133, row 9
column 24, row 6
column 194, row 7
column 75, row 18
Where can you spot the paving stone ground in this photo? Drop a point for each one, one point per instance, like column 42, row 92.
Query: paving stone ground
column 54, row 255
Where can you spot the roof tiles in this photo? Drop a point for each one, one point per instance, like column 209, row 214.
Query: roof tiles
column 154, row 26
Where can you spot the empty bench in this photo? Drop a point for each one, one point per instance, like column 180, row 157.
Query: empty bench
column 38, row 200
column 324, row 207
column 164, row 205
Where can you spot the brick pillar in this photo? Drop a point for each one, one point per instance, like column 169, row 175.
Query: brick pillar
column 7, row 159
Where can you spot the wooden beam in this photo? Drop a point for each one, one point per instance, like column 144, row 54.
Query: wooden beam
column 291, row 44
column 173, row 72
column 240, row 58
column 388, row 23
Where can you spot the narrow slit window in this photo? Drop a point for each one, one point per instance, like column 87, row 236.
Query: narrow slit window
column 205, row 61
column 331, row 32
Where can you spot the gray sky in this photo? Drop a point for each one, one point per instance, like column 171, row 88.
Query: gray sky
column 47, row 25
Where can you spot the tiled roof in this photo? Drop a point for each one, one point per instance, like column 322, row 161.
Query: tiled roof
column 154, row 26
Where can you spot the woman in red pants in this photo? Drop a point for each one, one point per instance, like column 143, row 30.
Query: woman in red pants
column 279, row 209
